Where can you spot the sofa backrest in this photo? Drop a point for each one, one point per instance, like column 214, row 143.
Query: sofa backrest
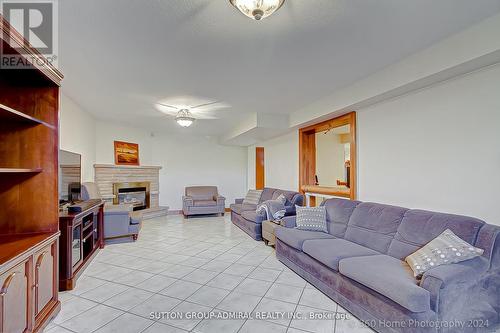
column 419, row 227
column 267, row 194
column 338, row 213
column 374, row 225
column 90, row 191
column 293, row 198
column 202, row 192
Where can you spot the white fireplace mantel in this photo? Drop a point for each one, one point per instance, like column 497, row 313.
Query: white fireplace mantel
column 113, row 166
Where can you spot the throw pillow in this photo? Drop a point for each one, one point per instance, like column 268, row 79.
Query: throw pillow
column 252, row 197
column 281, row 198
column 446, row 248
column 311, row 218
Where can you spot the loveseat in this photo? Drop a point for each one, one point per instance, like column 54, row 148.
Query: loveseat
column 360, row 264
column 246, row 217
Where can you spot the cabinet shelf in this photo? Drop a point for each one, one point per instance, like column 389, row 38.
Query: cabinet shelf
column 9, row 114
column 17, row 170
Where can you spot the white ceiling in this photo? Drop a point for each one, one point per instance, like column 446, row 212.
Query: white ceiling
column 120, row 57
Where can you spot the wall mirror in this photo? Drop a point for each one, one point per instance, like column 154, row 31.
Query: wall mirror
column 327, row 153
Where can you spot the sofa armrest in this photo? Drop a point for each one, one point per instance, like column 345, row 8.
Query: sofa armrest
column 446, row 278
column 187, row 201
column 288, row 222
column 238, row 201
column 221, row 201
column 116, row 223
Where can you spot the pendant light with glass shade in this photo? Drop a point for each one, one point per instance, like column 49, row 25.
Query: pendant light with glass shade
column 184, row 118
column 257, row 9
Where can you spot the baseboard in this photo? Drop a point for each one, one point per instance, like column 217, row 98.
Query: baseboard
column 179, row 212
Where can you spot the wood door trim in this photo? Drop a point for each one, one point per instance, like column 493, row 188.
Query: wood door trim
column 307, row 154
column 260, row 178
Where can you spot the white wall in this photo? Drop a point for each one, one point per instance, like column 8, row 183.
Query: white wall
column 437, row 149
column 185, row 161
column 77, row 134
column 189, row 161
column 281, row 161
column 107, row 133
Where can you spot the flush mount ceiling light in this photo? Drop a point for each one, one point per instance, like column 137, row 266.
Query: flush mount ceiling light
column 184, row 118
column 257, row 9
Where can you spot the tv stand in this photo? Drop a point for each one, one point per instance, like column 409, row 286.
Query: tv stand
column 82, row 235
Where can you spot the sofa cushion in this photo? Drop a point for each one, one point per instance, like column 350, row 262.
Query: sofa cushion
column 201, row 192
column 295, row 237
column 419, row 227
column 374, row 225
column 251, row 215
column 338, row 212
column 236, row 208
column 390, row 277
column 204, row 203
column 330, row 251
column 239, row 208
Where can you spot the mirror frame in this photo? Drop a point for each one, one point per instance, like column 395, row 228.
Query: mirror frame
column 307, row 157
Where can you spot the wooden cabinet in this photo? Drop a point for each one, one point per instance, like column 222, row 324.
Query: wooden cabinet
column 28, row 296
column 15, row 297
column 81, row 238
column 45, row 281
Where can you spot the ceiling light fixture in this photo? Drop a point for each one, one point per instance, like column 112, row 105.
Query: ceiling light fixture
column 257, row 9
column 184, row 118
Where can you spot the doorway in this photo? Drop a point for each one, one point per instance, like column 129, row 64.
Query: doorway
column 259, row 168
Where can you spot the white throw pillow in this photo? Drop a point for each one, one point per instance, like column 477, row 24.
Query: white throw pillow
column 447, row 248
column 311, row 218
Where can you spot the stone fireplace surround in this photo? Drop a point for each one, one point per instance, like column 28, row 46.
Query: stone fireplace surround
column 106, row 175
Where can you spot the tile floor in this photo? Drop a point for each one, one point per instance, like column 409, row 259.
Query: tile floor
column 201, row 264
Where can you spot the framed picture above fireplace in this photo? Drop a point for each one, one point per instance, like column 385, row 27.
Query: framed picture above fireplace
column 126, row 153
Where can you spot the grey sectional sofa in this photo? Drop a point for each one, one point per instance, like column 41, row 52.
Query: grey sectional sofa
column 245, row 216
column 360, row 264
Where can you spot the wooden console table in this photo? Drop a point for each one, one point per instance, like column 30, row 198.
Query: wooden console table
column 82, row 235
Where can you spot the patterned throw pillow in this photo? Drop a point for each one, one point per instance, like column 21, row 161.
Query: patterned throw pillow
column 281, row 198
column 252, row 197
column 311, row 218
column 446, row 248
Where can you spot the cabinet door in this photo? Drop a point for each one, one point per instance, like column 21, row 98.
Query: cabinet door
column 15, row 314
column 44, row 262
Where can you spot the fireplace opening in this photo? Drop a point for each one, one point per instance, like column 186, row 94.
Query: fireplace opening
column 135, row 194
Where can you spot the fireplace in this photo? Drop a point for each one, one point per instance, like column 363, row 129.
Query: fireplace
column 135, row 194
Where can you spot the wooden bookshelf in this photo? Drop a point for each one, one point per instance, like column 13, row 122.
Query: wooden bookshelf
column 29, row 223
column 8, row 114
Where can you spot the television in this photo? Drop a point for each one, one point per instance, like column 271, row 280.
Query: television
column 70, row 177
